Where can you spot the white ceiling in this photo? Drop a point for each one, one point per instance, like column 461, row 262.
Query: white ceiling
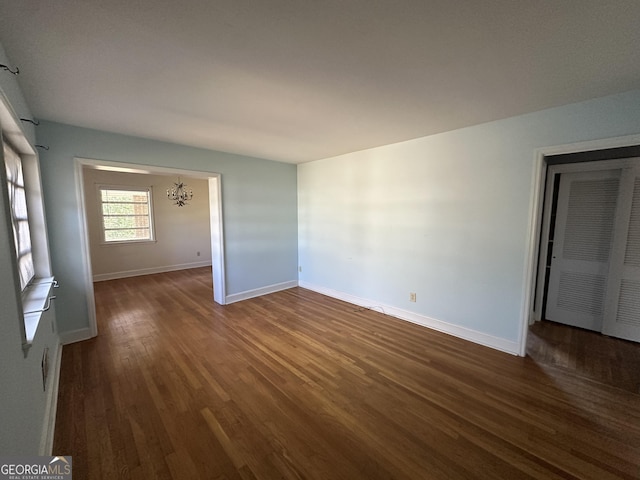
column 300, row 80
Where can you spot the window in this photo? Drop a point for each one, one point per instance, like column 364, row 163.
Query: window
column 126, row 214
column 19, row 215
column 28, row 234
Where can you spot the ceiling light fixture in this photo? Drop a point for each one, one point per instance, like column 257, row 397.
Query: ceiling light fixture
column 179, row 193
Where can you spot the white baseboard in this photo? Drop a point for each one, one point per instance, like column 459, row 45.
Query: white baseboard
column 465, row 333
column 101, row 277
column 258, row 292
column 75, row 336
column 51, row 407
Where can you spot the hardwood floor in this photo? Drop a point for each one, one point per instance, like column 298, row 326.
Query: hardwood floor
column 296, row 385
column 587, row 354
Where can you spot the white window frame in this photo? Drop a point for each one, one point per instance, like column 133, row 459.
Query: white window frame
column 132, row 188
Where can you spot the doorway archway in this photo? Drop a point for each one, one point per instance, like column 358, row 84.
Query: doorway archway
column 216, row 223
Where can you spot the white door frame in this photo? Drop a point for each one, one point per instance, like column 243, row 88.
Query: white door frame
column 552, row 170
column 216, row 222
column 539, row 177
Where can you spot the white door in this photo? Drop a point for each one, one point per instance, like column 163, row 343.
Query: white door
column 622, row 314
column 582, row 242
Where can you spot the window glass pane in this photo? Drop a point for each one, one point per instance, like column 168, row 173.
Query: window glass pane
column 127, row 234
column 141, row 209
column 13, row 166
column 20, row 204
column 117, row 209
column 125, row 209
column 24, row 239
column 25, row 265
column 127, row 196
column 19, row 215
column 125, row 222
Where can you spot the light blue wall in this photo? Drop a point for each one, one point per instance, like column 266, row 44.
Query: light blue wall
column 445, row 216
column 259, row 209
column 22, row 397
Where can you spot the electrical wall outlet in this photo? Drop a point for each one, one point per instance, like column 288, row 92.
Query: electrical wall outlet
column 412, row 297
column 197, row 254
column 300, row 269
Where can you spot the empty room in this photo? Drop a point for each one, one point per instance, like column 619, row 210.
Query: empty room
column 320, row 240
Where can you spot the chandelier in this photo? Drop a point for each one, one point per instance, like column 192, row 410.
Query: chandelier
column 179, row 193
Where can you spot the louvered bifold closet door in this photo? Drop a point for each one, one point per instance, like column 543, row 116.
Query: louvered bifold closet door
column 582, row 248
column 622, row 318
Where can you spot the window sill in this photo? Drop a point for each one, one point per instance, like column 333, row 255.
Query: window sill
column 36, row 300
column 126, row 242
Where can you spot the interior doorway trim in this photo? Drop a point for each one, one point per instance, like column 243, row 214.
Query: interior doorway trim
column 536, row 203
column 215, row 212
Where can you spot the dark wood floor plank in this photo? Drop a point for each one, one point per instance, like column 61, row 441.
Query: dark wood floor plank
column 587, row 354
column 296, row 385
